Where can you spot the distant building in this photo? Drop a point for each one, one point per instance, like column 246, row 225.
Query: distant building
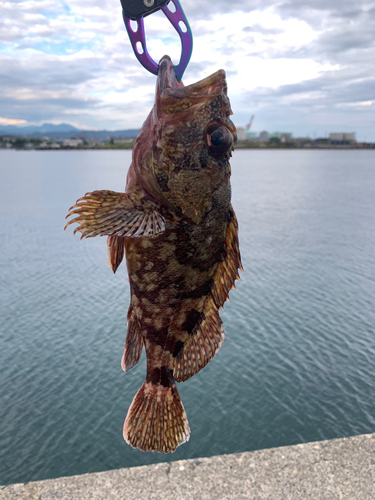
column 241, row 134
column 342, row 137
column 73, row 143
column 251, row 136
column 287, row 137
column 282, row 136
column 48, row 145
column 264, row 137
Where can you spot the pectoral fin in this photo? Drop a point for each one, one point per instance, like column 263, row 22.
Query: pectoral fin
column 107, row 213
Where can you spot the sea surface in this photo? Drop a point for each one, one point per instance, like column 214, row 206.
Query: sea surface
column 298, row 363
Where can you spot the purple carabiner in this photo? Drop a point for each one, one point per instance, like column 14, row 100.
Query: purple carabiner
column 180, row 24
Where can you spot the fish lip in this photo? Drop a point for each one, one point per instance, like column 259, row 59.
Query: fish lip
column 172, row 96
column 210, row 82
column 167, row 78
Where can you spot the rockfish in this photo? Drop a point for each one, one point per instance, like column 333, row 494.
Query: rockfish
column 178, row 230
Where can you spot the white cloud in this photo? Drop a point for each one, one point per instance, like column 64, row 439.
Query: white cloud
column 360, row 104
column 72, row 58
column 11, row 121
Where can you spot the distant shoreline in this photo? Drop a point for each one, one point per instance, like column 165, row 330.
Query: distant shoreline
column 238, row 147
column 318, row 147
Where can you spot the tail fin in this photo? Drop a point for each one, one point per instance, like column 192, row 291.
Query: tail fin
column 156, row 419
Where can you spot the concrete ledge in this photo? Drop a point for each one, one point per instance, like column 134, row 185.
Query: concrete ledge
column 336, row 469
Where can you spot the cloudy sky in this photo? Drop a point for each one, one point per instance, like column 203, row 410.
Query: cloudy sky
column 299, row 66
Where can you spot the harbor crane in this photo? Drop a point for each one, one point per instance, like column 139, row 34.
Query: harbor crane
column 248, row 126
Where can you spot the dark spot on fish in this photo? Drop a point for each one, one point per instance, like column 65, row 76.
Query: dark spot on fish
column 157, row 336
column 163, row 376
column 170, row 344
column 165, row 282
column 150, row 296
column 188, row 135
column 198, row 292
column 153, row 376
column 185, row 250
column 177, row 349
column 203, row 157
column 166, row 376
column 205, row 260
column 162, row 180
column 215, row 200
column 186, row 162
column 192, row 319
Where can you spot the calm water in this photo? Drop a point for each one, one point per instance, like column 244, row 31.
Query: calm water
column 298, row 361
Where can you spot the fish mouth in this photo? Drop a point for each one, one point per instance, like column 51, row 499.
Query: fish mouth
column 176, row 97
column 167, row 78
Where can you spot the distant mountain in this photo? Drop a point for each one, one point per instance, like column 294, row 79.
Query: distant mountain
column 63, row 131
column 37, row 129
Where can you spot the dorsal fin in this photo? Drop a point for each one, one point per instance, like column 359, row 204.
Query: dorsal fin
column 208, row 337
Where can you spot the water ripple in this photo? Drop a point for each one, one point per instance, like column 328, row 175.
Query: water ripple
column 297, row 363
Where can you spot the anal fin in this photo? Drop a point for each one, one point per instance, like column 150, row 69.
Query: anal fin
column 201, row 346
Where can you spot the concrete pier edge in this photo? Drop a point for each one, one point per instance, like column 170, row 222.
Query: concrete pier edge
column 335, row 469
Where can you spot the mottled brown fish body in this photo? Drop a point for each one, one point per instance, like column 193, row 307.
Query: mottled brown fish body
column 179, row 233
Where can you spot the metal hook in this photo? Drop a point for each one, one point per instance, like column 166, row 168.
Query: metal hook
column 181, row 25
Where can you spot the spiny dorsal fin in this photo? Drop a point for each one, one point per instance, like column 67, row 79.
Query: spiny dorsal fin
column 207, row 338
column 227, row 271
column 107, row 213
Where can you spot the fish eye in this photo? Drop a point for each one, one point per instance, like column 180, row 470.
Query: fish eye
column 219, row 140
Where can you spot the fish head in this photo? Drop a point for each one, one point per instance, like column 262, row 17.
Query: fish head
column 185, row 144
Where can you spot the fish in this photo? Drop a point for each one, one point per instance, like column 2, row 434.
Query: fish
column 178, row 231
